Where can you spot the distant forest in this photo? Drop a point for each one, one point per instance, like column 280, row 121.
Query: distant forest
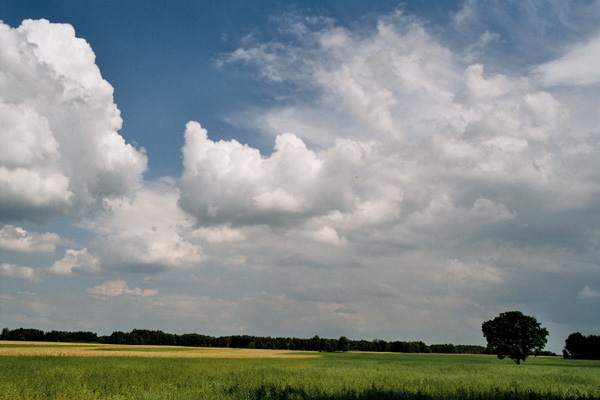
column 579, row 346
column 316, row 343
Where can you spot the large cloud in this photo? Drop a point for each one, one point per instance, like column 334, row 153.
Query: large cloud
column 450, row 181
column 61, row 153
column 75, row 261
column 414, row 183
column 579, row 66
column 147, row 233
column 231, row 182
column 439, row 143
column 16, row 239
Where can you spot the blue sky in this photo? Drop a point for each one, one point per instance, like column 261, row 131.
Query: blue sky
column 402, row 171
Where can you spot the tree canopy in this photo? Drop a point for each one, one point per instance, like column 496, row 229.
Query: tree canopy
column 316, row 343
column 579, row 346
column 514, row 335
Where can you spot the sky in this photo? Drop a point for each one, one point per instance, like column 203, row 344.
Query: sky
column 378, row 170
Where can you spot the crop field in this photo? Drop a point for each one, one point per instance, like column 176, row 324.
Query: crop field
column 92, row 371
column 102, row 350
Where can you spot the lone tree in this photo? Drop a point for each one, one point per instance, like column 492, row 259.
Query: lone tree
column 514, row 335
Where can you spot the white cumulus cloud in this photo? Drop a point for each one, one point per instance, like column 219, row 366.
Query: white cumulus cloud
column 61, row 153
column 422, row 142
column 406, row 181
column 578, row 66
column 16, row 239
column 146, row 233
column 80, row 261
column 230, row 182
column 444, row 172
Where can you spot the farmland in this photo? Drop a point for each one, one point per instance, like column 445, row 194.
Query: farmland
column 93, row 371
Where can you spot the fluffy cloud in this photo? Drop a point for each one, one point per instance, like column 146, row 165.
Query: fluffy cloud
column 146, row 233
column 16, row 239
column 61, row 153
column 435, row 144
column 407, row 182
column 80, row 261
column 480, row 88
column 118, row 288
column 17, row 271
column 407, row 163
column 230, row 182
column 579, row 66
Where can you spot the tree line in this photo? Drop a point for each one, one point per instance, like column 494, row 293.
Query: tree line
column 576, row 345
column 579, row 346
column 316, row 343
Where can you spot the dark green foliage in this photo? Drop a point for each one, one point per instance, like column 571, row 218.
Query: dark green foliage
column 443, row 348
column 290, row 393
column 343, row 344
column 579, row 346
column 36, row 335
column 409, row 347
column 514, row 335
column 316, row 343
column 194, row 340
column 471, row 349
column 32, row 335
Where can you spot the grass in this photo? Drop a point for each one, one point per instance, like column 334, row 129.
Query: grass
column 361, row 376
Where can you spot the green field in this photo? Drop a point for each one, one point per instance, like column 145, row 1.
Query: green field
column 328, row 376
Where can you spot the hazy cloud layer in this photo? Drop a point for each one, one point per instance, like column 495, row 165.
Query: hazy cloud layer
column 61, row 153
column 118, row 288
column 17, row 271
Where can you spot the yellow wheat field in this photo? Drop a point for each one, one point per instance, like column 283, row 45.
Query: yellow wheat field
column 16, row 348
